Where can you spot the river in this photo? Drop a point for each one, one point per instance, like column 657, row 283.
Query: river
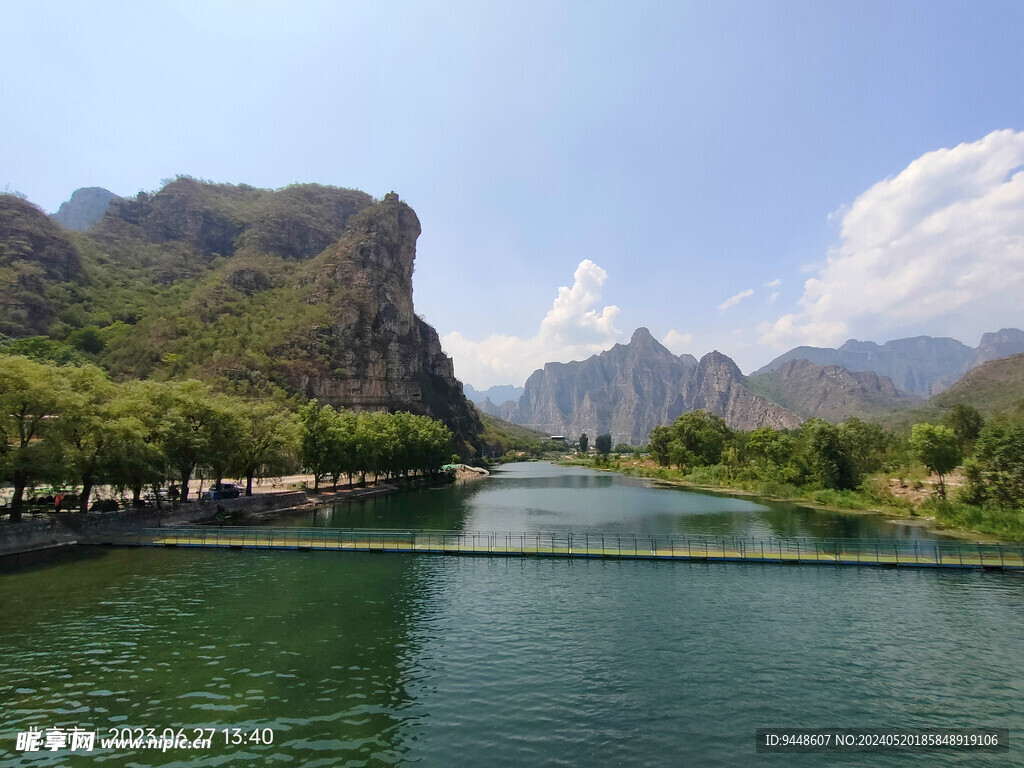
column 383, row 659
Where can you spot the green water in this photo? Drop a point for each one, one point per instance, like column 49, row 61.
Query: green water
column 382, row 659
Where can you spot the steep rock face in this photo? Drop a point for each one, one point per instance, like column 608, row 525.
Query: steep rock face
column 86, row 206
column 35, row 254
column 830, row 392
column 631, row 388
column 380, row 355
column 922, row 365
column 993, row 346
column 717, row 386
column 502, row 410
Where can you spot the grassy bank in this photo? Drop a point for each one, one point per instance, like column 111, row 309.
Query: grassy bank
column 874, row 495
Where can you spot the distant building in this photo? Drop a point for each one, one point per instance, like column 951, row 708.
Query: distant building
column 557, row 437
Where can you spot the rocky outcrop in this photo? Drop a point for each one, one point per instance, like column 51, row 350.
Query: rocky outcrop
column 830, row 392
column 35, row 254
column 379, row 354
column 86, row 206
column 922, row 365
column 717, row 386
column 631, row 388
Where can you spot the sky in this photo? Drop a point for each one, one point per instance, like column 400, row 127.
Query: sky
column 740, row 176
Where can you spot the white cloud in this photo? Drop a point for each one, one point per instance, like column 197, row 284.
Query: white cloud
column 732, row 301
column 773, row 296
column 573, row 329
column 773, row 284
column 941, row 245
column 677, row 343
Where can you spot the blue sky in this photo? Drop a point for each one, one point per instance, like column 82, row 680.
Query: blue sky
column 653, row 160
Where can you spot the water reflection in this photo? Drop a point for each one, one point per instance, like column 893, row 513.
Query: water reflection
column 541, row 497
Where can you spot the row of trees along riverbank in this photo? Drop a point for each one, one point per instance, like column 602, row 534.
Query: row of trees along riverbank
column 855, row 464
column 69, row 426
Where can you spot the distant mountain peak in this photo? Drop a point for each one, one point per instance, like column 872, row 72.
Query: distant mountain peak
column 640, row 336
column 85, row 207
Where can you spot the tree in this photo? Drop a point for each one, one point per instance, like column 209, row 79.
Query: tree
column 32, row 397
column 703, row 436
column 135, row 456
column 603, row 444
column 997, row 469
column 268, row 437
column 584, row 443
column 318, row 431
column 966, row 423
column 865, row 445
column 828, row 457
column 87, row 430
column 658, row 445
column 197, row 429
column 937, row 448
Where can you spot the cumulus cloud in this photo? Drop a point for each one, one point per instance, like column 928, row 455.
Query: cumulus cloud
column 573, row 329
column 773, row 296
column 773, row 284
column 732, row 301
column 677, row 342
column 941, row 244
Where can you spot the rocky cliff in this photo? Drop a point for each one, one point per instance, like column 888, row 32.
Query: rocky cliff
column 36, row 258
column 380, row 355
column 829, row 391
column 306, row 289
column 631, row 388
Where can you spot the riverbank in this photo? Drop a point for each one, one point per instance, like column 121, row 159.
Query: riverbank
column 904, row 510
column 39, row 533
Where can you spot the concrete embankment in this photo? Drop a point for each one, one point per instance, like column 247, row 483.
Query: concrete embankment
column 35, row 534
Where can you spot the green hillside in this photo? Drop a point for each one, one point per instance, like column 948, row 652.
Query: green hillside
column 302, row 291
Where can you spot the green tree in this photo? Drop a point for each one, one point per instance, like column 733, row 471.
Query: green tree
column 865, row 445
column 966, row 422
column 136, row 459
column 658, row 445
column 603, row 444
column 937, row 448
column 87, row 432
column 268, row 439
column 318, row 431
column 584, row 443
column 703, row 436
column 33, row 397
column 198, row 429
column 830, row 462
column 997, row 470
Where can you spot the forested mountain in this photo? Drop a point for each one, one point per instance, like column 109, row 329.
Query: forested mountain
column 86, row 206
column 921, row 366
column 305, row 290
column 829, row 391
column 631, row 388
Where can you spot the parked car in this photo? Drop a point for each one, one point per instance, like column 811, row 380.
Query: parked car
column 222, row 491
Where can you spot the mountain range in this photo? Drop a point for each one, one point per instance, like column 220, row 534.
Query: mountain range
column 307, row 291
column 629, row 389
column 922, row 365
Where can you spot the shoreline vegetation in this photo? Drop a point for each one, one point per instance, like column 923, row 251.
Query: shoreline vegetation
column 964, row 476
column 933, row 513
